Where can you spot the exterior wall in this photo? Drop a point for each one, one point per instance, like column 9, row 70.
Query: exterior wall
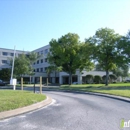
column 6, row 55
column 80, row 75
column 41, row 65
column 100, row 73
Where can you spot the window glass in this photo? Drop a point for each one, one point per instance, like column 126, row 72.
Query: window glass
column 45, row 68
column 11, row 54
column 41, row 69
column 45, row 59
column 4, row 53
column 4, row 61
column 41, row 52
column 37, row 69
column 38, row 62
column 41, row 60
column 46, row 51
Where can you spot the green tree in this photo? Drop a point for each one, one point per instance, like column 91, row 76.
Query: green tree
column 124, row 48
column 122, row 71
column 98, row 67
column 105, row 50
column 113, row 77
column 32, row 57
column 5, row 74
column 21, row 65
column 49, row 71
column 55, row 69
column 67, row 53
column 89, row 78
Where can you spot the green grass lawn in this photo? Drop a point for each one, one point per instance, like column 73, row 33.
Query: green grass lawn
column 119, row 89
column 10, row 99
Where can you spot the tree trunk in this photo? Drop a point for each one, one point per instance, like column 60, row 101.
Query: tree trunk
column 107, row 77
column 70, row 78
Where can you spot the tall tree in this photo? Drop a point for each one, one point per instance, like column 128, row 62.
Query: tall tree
column 53, row 68
column 124, row 48
column 67, row 53
column 105, row 51
column 32, row 57
column 122, row 71
column 21, row 65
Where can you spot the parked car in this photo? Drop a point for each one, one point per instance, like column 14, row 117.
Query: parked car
column 2, row 83
column 75, row 83
column 127, row 81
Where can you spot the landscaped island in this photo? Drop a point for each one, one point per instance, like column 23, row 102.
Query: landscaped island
column 10, row 99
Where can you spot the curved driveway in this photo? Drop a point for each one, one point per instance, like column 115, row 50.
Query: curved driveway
column 72, row 111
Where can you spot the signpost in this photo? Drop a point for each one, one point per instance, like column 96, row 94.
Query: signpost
column 13, row 81
column 21, row 83
column 40, row 84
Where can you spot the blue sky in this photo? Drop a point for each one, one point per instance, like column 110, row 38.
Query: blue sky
column 31, row 24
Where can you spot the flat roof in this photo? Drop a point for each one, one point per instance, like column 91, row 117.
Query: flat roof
column 13, row 50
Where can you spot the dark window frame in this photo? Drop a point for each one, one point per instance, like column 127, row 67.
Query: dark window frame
column 41, row 60
column 45, row 59
column 37, row 61
column 4, row 61
column 4, row 53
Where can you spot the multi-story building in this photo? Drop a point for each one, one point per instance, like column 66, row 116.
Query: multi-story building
column 40, row 67
column 6, row 55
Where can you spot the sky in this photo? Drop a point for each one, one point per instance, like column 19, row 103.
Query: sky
column 31, row 24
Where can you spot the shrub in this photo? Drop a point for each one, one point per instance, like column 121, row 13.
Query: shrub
column 97, row 79
column 113, row 78
column 89, row 78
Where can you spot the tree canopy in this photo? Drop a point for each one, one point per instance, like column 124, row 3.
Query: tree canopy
column 67, row 53
column 23, row 64
column 105, row 50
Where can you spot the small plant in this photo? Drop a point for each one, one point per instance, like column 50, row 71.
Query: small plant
column 97, row 79
column 89, row 78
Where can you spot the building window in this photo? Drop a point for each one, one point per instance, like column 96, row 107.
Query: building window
column 46, row 68
column 4, row 61
column 27, row 55
column 38, row 62
column 18, row 54
column 41, row 60
column 4, row 53
column 45, row 59
column 11, row 54
column 41, row 52
column 41, row 69
column 37, row 69
column 46, row 51
column 34, row 63
column 34, row 70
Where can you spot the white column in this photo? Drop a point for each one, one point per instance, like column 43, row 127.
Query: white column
column 53, row 79
column 79, row 77
column 60, row 78
column 32, row 80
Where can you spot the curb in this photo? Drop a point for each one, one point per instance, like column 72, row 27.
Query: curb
column 18, row 111
column 125, row 99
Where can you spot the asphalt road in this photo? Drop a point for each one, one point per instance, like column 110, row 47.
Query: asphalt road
column 72, row 111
